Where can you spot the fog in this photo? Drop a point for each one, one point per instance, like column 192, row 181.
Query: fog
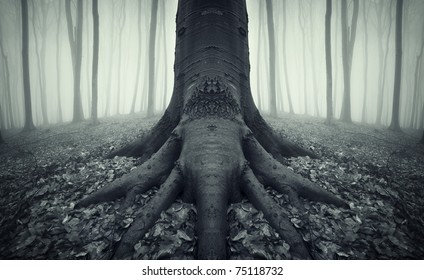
column 119, row 43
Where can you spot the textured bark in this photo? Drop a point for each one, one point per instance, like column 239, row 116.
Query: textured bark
column 29, row 125
column 95, row 61
column 328, row 61
column 211, row 147
column 398, row 67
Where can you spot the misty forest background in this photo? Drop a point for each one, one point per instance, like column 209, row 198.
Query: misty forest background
column 45, row 170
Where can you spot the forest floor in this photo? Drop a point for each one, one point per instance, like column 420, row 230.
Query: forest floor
column 380, row 173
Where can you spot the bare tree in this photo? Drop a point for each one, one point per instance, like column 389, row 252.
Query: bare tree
column 152, row 46
column 271, row 37
column 394, row 125
column 348, row 42
column 328, row 61
column 76, row 53
column 137, row 75
column 286, row 74
column 29, row 124
column 8, row 113
column 58, row 47
column 95, row 62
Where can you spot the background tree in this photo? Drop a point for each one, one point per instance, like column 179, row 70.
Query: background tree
column 152, row 44
column 95, row 61
column 348, row 42
column 271, row 37
column 29, row 124
column 285, row 41
column 328, row 61
column 9, row 119
column 137, row 75
column 394, row 125
column 58, row 47
column 76, row 53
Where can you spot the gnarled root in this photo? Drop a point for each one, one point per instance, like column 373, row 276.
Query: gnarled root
column 282, row 179
column 142, row 178
column 150, row 212
column 257, row 194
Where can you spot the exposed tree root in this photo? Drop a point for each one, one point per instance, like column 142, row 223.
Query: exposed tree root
column 282, row 179
column 141, row 179
column 166, row 194
column 150, row 143
column 257, row 194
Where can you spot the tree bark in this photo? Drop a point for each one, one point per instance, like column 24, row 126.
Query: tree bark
column 271, row 37
column 328, row 61
column 415, row 99
column 152, row 46
column 95, row 62
column 398, row 67
column 29, row 125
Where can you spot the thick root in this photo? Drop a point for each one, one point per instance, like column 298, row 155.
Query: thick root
column 257, row 194
column 274, row 143
column 142, row 178
column 281, row 178
column 150, row 143
column 166, row 194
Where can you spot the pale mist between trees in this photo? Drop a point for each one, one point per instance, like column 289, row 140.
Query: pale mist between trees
column 127, row 28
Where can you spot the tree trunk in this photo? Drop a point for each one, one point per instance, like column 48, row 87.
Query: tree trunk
column 328, row 61
column 152, row 46
column 211, row 146
column 365, row 14
column 348, row 42
column 58, row 46
column 95, row 62
column 165, row 54
column 258, row 78
column 40, row 65
column 29, row 125
column 315, row 91
column 415, row 99
column 78, row 112
column 302, row 27
column 271, row 37
column 286, row 74
column 137, row 75
column 398, row 67
column 8, row 113
column 121, row 25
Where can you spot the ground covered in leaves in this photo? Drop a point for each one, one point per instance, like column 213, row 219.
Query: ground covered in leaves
column 43, row 174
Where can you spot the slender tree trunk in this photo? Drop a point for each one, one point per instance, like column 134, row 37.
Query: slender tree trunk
column 398, row 67
column 95, row 62
column 137, row 75
column 111, row 65
column 165, row 55
column 418, row 68
column 315, row 91
column 152, row 46
column 29, row 125
column 364, row 103
column 8, row 110
column 271, row 37
column 58, row 46
column 302, row 26
column 258, row 55
column 122, row 17
column 78, row 112
column 45, row 14
column 41, row 78
column 286, row 76
column 328, row 61
column 348, row 43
